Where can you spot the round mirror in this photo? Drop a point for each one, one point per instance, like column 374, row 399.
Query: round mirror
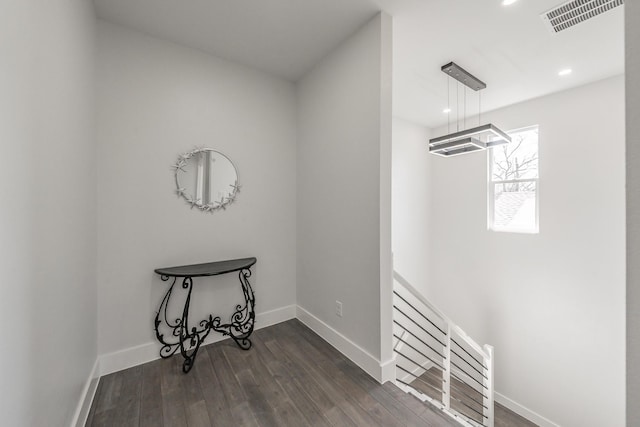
column 207, row 179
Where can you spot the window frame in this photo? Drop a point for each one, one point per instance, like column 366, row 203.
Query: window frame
column 491, row 185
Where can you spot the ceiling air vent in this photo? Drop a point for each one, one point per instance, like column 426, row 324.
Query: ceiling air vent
column 574, row 12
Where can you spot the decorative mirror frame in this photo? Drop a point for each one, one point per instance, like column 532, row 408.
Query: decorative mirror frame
column 213, row 206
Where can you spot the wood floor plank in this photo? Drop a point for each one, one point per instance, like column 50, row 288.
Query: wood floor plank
column 507, row 418
column 430, row 414
column 348, row 397
column 102, row 419
column 244, row 416
column 320, row 396
column 290, row 377
column 197, row 415
column 107, row 404
column 130, row 396
column 274, row 393
column 193, row 399
column 216, row 403
column 338, row 418
column 298, row 396
column 110, row 392
column 228, row 381
column 277, row 372
column 257, row 401
column 328, row 360
column 173, row 412
column 151, row 409
column 319, row 388
column 229, row 386
column 311, row 373
column 397, row 409
column 308, row 396
column 288, row 414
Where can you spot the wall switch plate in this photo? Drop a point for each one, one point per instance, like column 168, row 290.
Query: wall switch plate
column 338, row 309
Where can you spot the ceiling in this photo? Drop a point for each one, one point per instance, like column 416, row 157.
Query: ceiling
column 508, row 47
column 282, row 37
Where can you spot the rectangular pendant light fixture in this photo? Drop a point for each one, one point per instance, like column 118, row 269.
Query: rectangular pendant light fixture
column 458, row 146
column 485, row 136
column 468, row 140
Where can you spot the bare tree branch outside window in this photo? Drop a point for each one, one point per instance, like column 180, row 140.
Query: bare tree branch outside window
column 517, row 161
column 513, row 192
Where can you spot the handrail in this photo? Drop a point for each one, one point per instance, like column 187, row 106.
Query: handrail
column 455, row 328
column 413, row 348
column 418, row 295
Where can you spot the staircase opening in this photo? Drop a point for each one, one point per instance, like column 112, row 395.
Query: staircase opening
column 437, row 362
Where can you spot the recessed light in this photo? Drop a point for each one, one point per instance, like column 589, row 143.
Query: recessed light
column 565, row 72
column 446, row 110
column 508, row 2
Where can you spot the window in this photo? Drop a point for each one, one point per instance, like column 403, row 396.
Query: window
column 513, row 183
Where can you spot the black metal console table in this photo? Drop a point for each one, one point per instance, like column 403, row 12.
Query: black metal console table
column 188, row 340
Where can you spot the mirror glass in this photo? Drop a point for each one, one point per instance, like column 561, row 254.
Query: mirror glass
column 207, row 179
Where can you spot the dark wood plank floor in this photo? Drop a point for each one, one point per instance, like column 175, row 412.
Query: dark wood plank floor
column 290, row 377
column 465, row 398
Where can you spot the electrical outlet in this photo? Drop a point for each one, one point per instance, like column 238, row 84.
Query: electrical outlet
column 338, row 309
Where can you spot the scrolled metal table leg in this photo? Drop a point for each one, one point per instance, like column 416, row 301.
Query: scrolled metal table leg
column 188, row 340
column 194, row 336
column 243, row 320
column 169, row 347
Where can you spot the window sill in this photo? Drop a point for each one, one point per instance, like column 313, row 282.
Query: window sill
column 515, row 230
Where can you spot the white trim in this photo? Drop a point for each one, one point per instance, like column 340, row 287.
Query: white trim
column 388, row 370
column 86, row 398
column 524, row 411
column 273, row 317
column 128, row 358
column 344, row 345
column 489, row 382
column 134, row 356
column 416, row 372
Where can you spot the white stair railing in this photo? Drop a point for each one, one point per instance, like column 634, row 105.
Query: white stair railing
column 437, row 362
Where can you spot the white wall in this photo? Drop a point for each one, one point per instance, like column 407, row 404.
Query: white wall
column 552, row 304
column 155, row 101
column 411, row 202
column 343, row 151
column 47, row 214
column 632, row 47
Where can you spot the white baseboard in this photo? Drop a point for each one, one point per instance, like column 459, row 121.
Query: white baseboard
column 138, row 355
column 86, row 398
column 273, row 317
column 128, row 358
column 344, row 345
column 388, row 370
column 524, row 411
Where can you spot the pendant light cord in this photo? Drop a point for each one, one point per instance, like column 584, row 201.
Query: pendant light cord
column 448, row 104
column 457, row 106
column 464, row 116
column 479, row 106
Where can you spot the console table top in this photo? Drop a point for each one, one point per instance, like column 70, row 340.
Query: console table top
column 207, row 269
